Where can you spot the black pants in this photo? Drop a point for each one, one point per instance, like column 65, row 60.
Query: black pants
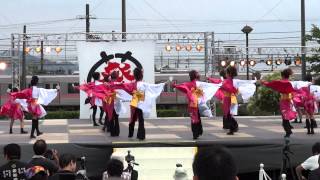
column 94, row 108
column 287, row 127
column 114, row 124
column 230, row 123
column 35, row 127
column 196, row 128
column 137, row 114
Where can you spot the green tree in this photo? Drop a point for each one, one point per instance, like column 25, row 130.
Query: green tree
column 265, row 101
column 314, row 36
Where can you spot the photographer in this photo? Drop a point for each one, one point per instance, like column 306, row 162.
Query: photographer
column 40, row 148
column 68, row 166
column 311, row 163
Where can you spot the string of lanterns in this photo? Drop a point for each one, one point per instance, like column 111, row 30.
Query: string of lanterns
column 46, row 49
column 287, row 61
column 188, row 47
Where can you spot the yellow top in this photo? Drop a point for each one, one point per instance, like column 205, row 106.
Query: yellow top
column 137, row 96
column 196, row 93
column 286, row 96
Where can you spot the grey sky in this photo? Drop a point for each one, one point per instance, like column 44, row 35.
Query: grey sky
column 159, row 15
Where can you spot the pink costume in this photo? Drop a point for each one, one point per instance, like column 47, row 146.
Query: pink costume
column 13, row 109
column 286, row 90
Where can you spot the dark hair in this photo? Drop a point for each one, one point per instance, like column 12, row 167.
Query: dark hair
column 138, row 74
column 14, row 89
column 34, row 80
column 316, row 148
column 214, row 163
column 286, row 73
column 66, row 159
column 308, row 78
column 114, row 75
column 194, row 75
column 103, row 54
column 231, row 71
column 115, row 168
column 96, row 76
column 222, row 73
column 40, row 176
column 12, row 151
column 40, row 147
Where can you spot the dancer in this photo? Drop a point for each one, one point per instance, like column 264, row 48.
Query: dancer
column 198, row 93
column 13, row 109
column 143, row 96
column 36, row 97
column 113, row 105
column 284, row 87
column 230, row 100
column 96, row 102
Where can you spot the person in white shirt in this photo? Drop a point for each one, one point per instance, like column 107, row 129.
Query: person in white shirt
column 311, row 163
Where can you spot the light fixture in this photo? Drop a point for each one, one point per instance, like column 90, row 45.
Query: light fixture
column 178, row 47
column 189, row 47
column 278, row 61
column 38, row 49
column 27, row 49
column 232, row 63
column 168, row 46
column 287, row 61
column 252, row 62
column 242, row 62
column 3, row 65
column 223, row 63
column 297, row 60
column 199, row 47
column 48, row 49
column 269, row 62
column 58, row 49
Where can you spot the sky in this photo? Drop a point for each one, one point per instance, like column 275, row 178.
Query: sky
column 219, row 16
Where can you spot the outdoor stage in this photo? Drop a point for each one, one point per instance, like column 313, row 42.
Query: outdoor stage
column 260, row 139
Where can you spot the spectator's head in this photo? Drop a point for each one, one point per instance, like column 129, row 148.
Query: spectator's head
column 34, row 80
column 138, row 74
column 12, row 151
column 231, row 72
column 68, row 162
column 286, row 73
column 316, row 148
column 222, row 73
column 40, row 147
column 194, row 75
column 36, row 173
column 214, row 163
column 114, row 168
column 308, row 78
column 96, row 76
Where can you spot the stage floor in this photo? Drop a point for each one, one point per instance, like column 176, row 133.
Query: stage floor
column 161, row 130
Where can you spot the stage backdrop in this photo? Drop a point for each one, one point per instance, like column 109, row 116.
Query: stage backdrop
column 89, row 55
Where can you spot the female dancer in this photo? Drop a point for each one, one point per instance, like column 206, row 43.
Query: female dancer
column 36, row 97
column 13, row 109
column 284, row 87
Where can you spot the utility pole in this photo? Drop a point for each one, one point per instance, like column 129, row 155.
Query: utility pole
column 303, row 40
column 87, row 21
column 124, row 23
column 23, row 73
column 41, row 56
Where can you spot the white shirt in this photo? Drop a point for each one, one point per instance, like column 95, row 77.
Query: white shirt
column 311, row 163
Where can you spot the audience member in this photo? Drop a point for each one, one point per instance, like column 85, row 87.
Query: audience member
column 68, row 166
column 214, row 163
column 39, row 148
column 315, row 174
column 311, row 163
column 14, row 169
column 114, row 170
column 36, row 173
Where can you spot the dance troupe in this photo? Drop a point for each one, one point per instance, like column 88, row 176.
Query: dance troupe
column 110, row 94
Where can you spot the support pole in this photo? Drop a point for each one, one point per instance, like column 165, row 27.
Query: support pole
column 41, row 56
column 124, row 23
column 87, row 21
column 23, row 63
column 303, row 40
